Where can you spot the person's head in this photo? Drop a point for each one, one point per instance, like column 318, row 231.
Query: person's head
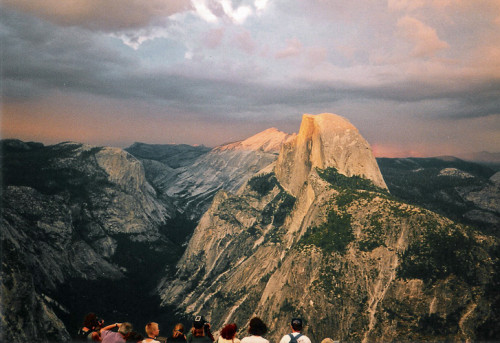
column 296, row 324
column 178, row 330
column 257, row 327
column 152, row 329
column 90, row 320
column 229, row 331
column 125, row 329
column 327, row 340
column 198, row 330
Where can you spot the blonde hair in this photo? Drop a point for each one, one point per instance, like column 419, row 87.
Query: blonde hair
column 151, row 328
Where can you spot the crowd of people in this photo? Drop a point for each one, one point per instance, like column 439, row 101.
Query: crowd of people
column 93, row 329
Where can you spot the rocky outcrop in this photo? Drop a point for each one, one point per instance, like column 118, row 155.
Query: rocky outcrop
column 326, row 140
column 70, row 213
column 375, row 285
column 337, row 250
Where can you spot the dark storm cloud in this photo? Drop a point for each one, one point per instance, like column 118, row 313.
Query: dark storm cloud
column 108, row 16
column 39, row 57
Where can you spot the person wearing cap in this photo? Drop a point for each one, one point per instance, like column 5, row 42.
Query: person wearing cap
column 296, row 335
column 200, row 332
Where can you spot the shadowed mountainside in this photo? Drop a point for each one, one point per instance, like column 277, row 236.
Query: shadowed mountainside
column 82, row 229
column 463, row 191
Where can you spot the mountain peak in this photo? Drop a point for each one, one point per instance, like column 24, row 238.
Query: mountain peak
column 329, row 121
column 269, row 140
column 326, row 140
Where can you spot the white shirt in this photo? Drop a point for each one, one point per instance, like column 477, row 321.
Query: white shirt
column 149, row 340
column 223, row 340
column 254, row 339
column 302, row 339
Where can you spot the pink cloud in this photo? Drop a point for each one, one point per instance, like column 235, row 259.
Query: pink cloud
column 245, row 42
column 213, row 38
column 293, row 48
column 424, row 38
column 316, row 56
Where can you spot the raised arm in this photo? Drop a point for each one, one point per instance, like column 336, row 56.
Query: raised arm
column 112, row 326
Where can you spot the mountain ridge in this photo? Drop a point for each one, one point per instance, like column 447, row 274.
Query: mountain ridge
column 329, row 243
column 269, row 140
column 337, row 245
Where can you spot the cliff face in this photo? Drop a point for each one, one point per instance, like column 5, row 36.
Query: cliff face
column 315, row 240
column 70, row 213
column 326, row 140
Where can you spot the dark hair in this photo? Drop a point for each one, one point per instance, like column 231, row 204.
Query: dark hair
column 257, row 327
column 90, row 320
column 198, row 322
column 178, row 330
column 296, row 324
column 229, row 331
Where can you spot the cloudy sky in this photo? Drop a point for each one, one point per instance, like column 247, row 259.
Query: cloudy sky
column 416, row 77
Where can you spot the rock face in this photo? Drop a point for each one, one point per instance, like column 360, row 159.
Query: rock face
column 326, row 140
column 70, row 213
column 225, row 167
column 314, row 239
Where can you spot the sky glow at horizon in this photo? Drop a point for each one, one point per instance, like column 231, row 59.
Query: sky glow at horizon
column 416, row 77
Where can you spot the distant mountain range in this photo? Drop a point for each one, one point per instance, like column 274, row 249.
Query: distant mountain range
column 492, row 158
column 276, row 225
